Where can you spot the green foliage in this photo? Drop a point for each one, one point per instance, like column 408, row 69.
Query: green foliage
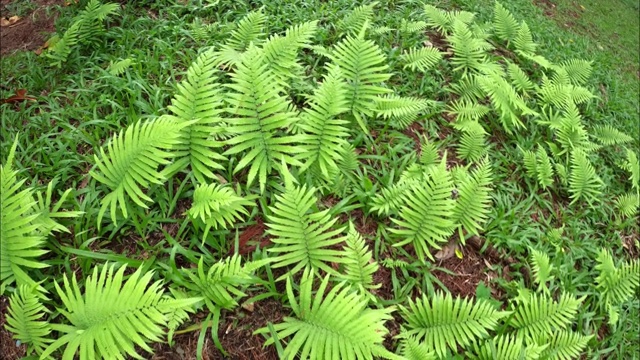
column 421, row 59
column 443, row 20
column 25, row 319
column 563, row 345
column 303, row 236
column 411, row 349
column 541, row 270
column 468, row 51
column 218, row 206
column 632, row 165
column 111, row 317
column 473, row 145
column 616, row 284
column 131, row 162
column 474, row 199
column 584, row 183
column 21, row 242
column 356, row 19
column 443, row 322
column 608, row 135
column 120, row 67
column 250, row 30
column 506, row 347
column 426, row 219
column 219, row 284
column 506, row 26
column 260, row 116
column 337, row 325
column 199, row 103
column 523, row 41
column 359, row 265
column 627, row 204
column 539, row 315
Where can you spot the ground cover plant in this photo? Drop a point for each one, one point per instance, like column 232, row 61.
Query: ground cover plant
column 320, row 180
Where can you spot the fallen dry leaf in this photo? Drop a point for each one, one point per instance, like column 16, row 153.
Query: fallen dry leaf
column 21, row 95
column 9, row 21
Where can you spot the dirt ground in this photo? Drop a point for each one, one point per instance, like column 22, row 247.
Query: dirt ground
column 31, row 31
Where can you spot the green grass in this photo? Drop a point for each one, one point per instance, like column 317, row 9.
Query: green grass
column 80, row 105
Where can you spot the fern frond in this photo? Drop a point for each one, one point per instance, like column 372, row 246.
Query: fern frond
column 530, row 162
column 616, row 284
column 426, row 219
column 538, row 59
column 608, row 135
column 280, row 52
column 540, row 315
column 544, row 168
column 524, row 41
column 363, row 65
column 541, row 269
column 303, row 236
column 92, row 17
column 628, row 204
column 218, row 206
column 442, row 322
column 250, row 30
column 111, row 317
column 468, row 89
column 261, row 115
column 131, row 162
column 473, row 145
column 25, row 319
column 443, row 20
column 354, row 21
column 411, row 349
column 563, row 345
column 632, row 165
column 505, row 347
column 467, row 111
column 468, row 52
column 410, row 27
column 390, row 199
column 199, row 102
column 62, row 47
column 338, row 325
column 359, row 265
column 472, row 206
column 119, row 67
column 578, row 71
column 519, row 78
column 506, row 101
column 21, row 244
column 398, row 106
column 505, row 24
column 326, row 132
column 584, row 183
column 421, row 59
column 571, row 133
column 178, row 315
column 219, row 284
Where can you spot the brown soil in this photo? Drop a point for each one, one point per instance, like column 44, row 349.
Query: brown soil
column 469, row 272
column 30, row 32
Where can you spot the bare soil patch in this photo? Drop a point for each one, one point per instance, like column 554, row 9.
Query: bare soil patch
column 30, row 32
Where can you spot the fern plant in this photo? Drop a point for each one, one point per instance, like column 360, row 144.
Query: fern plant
column 199, row 103
column 258, row 121
column 443, row 322
column 506, row 347
column 359, row 266
column 506, row 26
column 541, row 270
column 338, row 325
column 563, row 344
column 356, row 19
column 25, row 319
column 111, row 317
column 421, row 59
column 302, row 236
column 250, row 30
column 584, row 183
column 539, row 315
column 131, row 162
column 426, row 219
column 616, row 284
column 412, row 349
column 472, row 206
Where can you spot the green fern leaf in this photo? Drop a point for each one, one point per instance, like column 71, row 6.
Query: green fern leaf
column 505, row 24
column 355, row 20
column 467, row 111
column 303, row 236
column 25, row 319
column 111, row 317
column 468, row 90
column 632, row 165
column 120, row 67
column 505, row 347
column 443, row 20
column 260, row 117
column 617, row 285
column 524, row 41
column 421, row 59
column 218, row 206
column 540, row 315
column 608, row 135
column 338, row 325
column 472, row 206
column 250, row 30
column 544, row 168
column 410, row 27
column 628, row 204
column 20, row 239
column 563, row 345
column 199, row 102
column 326, row 133
column 578, row 71
column 426, row 219
column 519, row 78
column 541, row 269
column 584, row 183
column 219, row 284
column 359, row 265
column 506, row 101
column 390, row 199
column 473, row 145
column 411, row 349
column 398, row 106
column 131, row 161
column 468, row 52
column 442, row 322
column 362, row 65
